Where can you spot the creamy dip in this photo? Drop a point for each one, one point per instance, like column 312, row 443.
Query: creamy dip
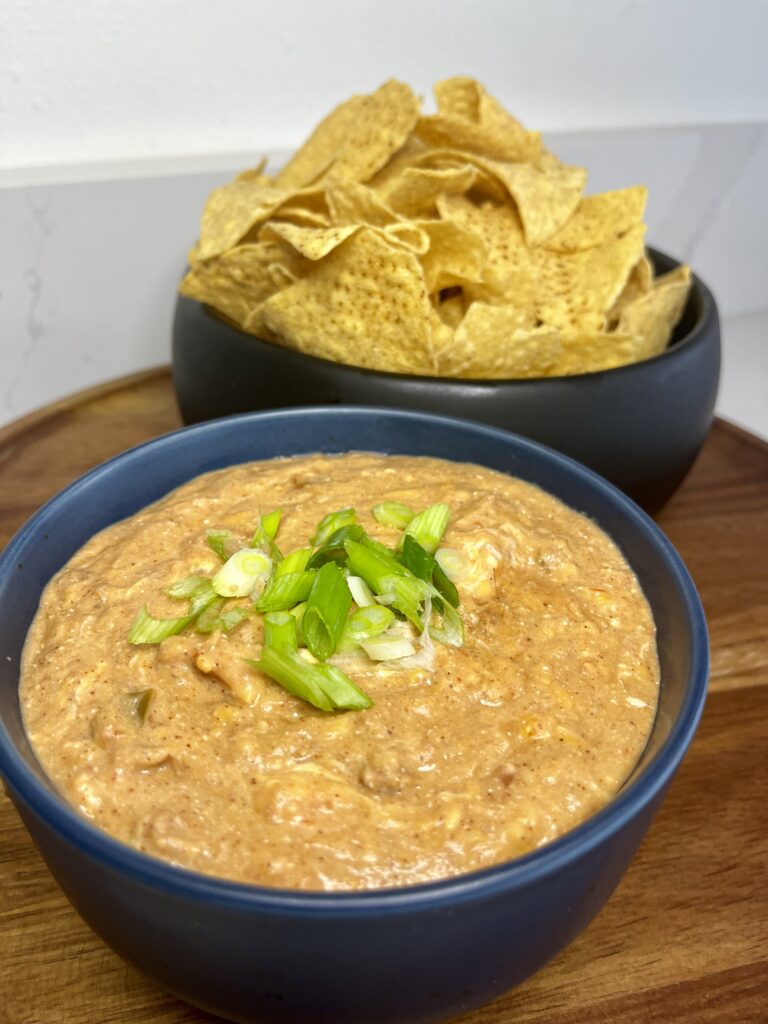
column 504, row 744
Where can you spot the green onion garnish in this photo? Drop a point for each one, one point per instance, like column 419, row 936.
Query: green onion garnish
column 294, row 561
column 372, row 566
column 453, row 563
column 388, row 648
column 232, row 617
column 324, row 686
column 138, row 703
column 241, row 573
column 327, row 607
column 266, row 531
column 416, row 559
column 280, row 631
column 283, row 592
column 406, row 594
column 333, row 549
column 393, row 513
column 445, row 586
column 450, row 630
column 364, row 624
column 360, row 591
column 429, row 526
column 188, row 587
column 146, row 629
column 208, row 619
column 298, row 614
column 329, row 524
column 216, row 541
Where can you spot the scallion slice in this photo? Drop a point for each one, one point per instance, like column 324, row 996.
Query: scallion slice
column 445, row 586
column 240, row 573
column 280, row 631
column 450, row 630
column 138, row 703
column 188, row 587
column 371, row 565
column 146, row 629
column 453, row 563
column 208, row 618
column 294, row 561
column 364, row 624
column 416, row 559
column 393, row 513
column 216, row 542
column 388, row 648
column 283, row 592
column 360, row 591
column 329, row 524
column 266, row 531
column 409, row 594
column 232, row 617
column 294, row 674
column 429, row 526
column 333, row 549
column 342, row 691
column 327, row 608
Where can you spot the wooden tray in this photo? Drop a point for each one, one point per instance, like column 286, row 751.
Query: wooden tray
column 684, row 939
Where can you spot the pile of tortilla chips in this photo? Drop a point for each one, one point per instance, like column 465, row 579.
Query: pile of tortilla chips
column 451, row 243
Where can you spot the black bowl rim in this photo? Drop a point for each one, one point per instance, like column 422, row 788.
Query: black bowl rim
column 488, row 882
column 696, row 333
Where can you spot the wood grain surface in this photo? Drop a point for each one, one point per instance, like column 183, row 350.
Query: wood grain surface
column 685, row 937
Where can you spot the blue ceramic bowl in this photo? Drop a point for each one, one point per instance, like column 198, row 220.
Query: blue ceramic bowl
column 415, row 954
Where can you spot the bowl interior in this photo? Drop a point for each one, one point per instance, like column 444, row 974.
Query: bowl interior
column 132, row 480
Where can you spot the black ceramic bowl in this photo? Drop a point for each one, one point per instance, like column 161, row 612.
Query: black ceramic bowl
column 640, row 426
column 415, row 954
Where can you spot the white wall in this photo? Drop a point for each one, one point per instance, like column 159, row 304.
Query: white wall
column 102, row 80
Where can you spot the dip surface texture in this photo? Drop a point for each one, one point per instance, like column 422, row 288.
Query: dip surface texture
column 508, row 742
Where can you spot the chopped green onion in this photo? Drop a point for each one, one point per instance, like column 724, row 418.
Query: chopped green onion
column 232, row 617
column 445, row 586
column 372, row 566
column 241, row 573
column 453, row 563
column 360, row 591
column 208, row 618
column 406, row 594
column 280, row 631
column 201, row 599
column 416, row 559
column 138, row 703
column 324, row 686
column 429, row 526
column 327, row 607
column 188, row 587
column 266, row 531
column 393, row 513
column 295, row 561
column 294, row 674
column 283, row 592
column 387, row 648
column 333, row 549
column 216, row 541
column 329, row 524
column 298, row 613
column 364, row 624
column 146, row 629
column 339, row 687
column 450, row 630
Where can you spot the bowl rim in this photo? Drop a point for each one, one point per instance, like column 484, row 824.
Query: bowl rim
column 707, row 313
column 487, row 882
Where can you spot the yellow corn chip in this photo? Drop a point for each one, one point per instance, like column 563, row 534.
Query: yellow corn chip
column 414, row 193
column 455, row 256
column 639, row 283
column 349, row 202
column 545, row 198
column 356, row 139
column 512, row 144
column 459, row 97
column 451, row 309
column 498, row 342
column 239, row 280
column 588, row 352
column 409, row 236
column 365, row 304
column 312, row 243
column 653, row 317
column 232, row 210
column 598, row 219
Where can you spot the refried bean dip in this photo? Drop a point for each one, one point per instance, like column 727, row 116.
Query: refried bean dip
column 495, row 749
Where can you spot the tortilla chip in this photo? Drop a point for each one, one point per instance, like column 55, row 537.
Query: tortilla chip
column 639, row 283
column 352, row 203
column 588, row 352
column 415, row 192
column 512, row 143
column 546, row 198
column 356, row 139
column 365, row 304
column 238, row 281
column 501, row 232
column 455, row 256
column 498, row 342
column 451, row 309
column 459, row 97
column 312, row 243
column 409, row 236
column 653, row 317
column 232, row 210
column 599, row 219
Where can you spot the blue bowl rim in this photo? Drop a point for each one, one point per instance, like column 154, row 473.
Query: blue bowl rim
column 707, row 316
column 485, row 883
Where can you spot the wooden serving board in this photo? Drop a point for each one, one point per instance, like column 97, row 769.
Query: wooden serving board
column 685, row 937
